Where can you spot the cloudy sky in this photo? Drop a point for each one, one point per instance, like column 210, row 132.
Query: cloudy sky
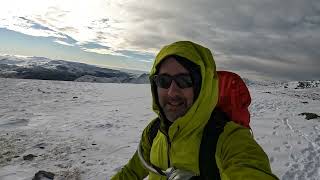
column 269, row 39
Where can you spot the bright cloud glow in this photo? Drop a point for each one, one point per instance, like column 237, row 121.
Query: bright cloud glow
column 84, row 21
column 63, row 43
column 103, row 51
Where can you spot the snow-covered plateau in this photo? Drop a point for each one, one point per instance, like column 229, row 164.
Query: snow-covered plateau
column 88, row 131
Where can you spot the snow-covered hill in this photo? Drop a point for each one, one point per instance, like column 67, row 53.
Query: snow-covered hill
column 87, row 131
column 48, row 69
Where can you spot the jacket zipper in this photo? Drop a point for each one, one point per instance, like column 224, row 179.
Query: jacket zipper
column 168, row 149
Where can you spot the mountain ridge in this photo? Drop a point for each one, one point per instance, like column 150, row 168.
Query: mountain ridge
column 42, row 68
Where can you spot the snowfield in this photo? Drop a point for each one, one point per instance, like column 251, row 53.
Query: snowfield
column 88, row 131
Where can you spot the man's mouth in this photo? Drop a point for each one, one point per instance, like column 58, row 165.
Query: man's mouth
column 173, row 106
column 175, row 103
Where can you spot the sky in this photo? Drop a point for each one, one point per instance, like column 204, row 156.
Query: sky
column 268, row 39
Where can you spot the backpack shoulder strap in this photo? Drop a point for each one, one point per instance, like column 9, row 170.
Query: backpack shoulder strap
column 153, row 130
column 207, row 161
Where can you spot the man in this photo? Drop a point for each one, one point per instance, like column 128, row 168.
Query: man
column 184, row 86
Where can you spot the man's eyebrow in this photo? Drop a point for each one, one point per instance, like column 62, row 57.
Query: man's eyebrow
column 164, row 74
column 188, row 74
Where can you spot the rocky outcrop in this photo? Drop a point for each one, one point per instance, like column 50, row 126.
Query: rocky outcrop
column 309, row 116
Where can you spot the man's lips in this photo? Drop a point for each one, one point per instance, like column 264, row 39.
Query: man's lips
column 174, row 105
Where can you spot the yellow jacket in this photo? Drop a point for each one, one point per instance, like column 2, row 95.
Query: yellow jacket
column 238, row 156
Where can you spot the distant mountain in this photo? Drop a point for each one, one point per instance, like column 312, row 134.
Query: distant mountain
column 302, row 84
column 48, row 69
column 252, row 82
column 284, row 84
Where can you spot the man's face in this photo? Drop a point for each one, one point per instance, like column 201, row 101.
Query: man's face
column 174, row 101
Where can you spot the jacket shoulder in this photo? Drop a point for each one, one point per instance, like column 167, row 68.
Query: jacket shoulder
column 239, row 156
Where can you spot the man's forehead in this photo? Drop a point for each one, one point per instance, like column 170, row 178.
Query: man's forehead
column 171, row 65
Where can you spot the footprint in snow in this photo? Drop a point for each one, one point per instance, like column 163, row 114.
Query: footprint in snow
column 295, row 166
column 271, row 159
column 288, row 147
column 275, row 127
column 293, row 157
column 277, row 149
column 287, row 164
column 263, row 137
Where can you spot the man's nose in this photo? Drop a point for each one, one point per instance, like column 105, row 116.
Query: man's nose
column 174, row 89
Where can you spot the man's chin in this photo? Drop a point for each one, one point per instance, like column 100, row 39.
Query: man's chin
column 172, row 119
column 173, row 116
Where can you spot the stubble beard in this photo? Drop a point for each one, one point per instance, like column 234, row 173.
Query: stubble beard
column 175, row 107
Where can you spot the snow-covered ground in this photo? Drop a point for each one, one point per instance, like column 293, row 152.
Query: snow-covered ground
column 87, row 131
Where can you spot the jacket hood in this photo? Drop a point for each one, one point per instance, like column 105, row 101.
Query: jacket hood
column 198, row 115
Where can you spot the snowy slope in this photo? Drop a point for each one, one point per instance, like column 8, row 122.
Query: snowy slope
column 88, row 131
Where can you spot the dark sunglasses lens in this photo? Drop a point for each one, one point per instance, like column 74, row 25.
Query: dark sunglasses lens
column 163, row 81
column 184, row 81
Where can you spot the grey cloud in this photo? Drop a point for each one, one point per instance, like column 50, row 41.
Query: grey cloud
column 282, row 36
column 266, row 70
column 148, row 12
column 289, row 58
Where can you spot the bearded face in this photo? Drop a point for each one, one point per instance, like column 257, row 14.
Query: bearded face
column 174, row 100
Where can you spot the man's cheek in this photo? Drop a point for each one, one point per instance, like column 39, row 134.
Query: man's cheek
column 162, row 101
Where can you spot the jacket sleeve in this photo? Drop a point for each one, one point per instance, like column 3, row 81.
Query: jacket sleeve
column 134, row 169
column 240, row 157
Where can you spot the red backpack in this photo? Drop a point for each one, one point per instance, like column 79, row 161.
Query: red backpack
column 234, row 98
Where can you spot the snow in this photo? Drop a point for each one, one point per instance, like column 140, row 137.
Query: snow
column 89, row 78
column 291, row 142
column 24, row 61
column 88, row 131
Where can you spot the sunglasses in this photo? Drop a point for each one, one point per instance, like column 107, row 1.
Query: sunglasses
column 165, row 80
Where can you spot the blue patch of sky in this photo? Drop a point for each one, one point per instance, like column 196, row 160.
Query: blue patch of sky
column 137, row 56
column 94, row 46
column 68, row 39
column 19, row 42
column 131, row 55
column 39, row 26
